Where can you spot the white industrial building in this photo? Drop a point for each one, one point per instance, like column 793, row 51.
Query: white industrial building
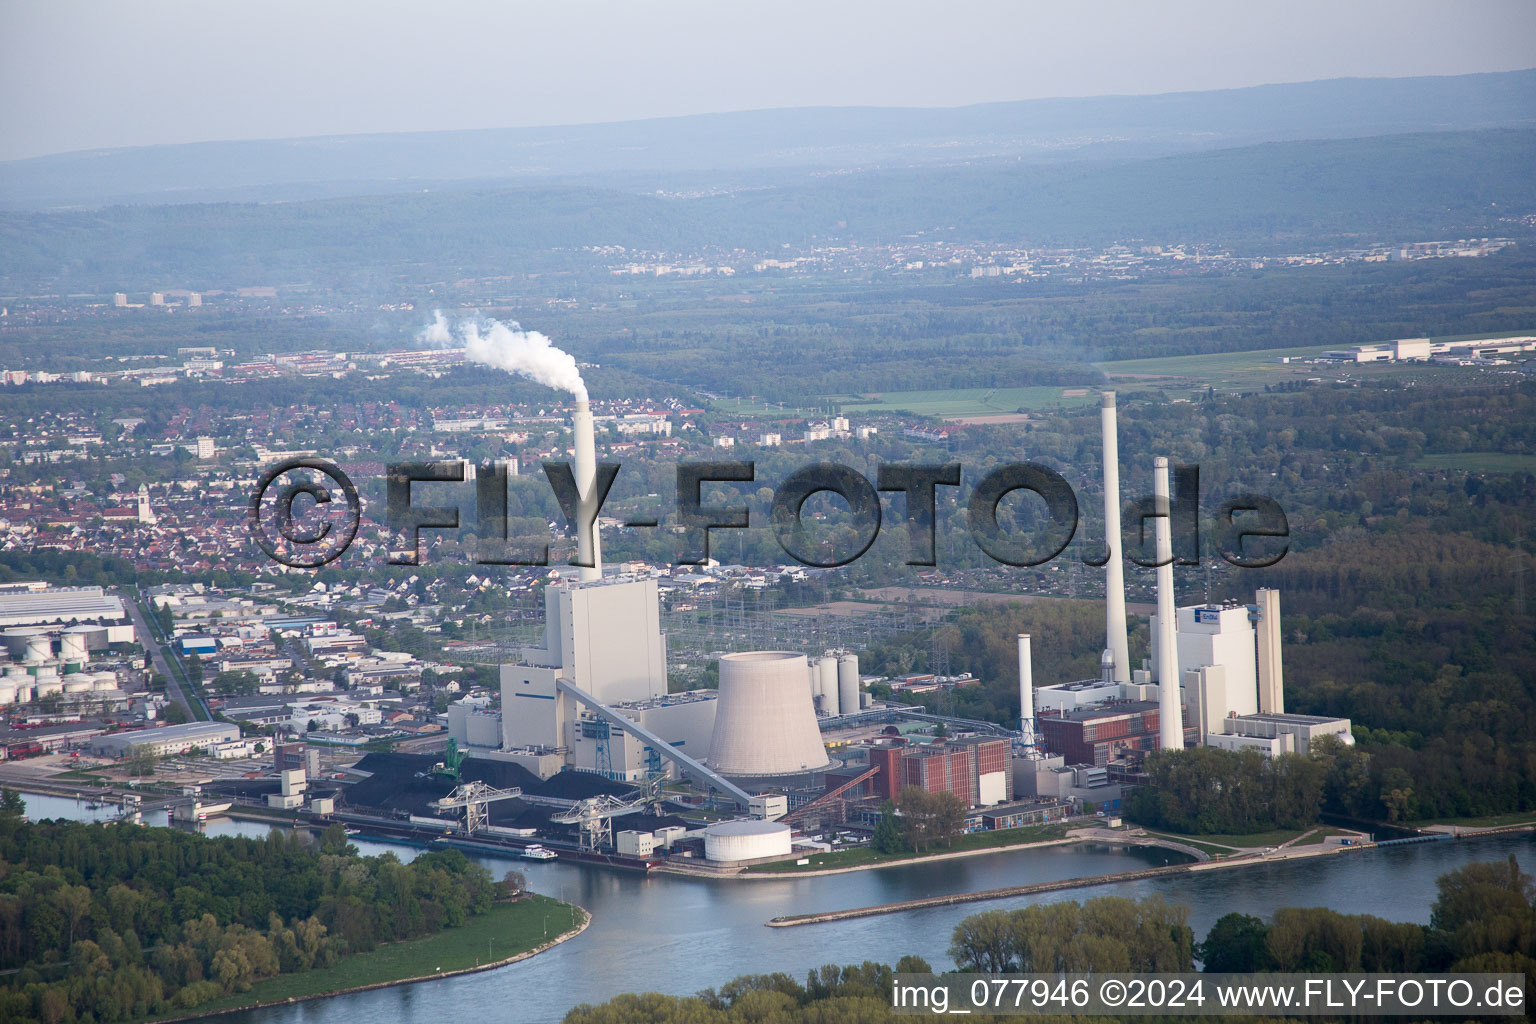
column 1424, row 349
column 166, row 740
column 1278, row 733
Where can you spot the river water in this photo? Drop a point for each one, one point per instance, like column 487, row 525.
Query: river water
column 678, row 935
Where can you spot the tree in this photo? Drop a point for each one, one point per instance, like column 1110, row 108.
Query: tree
column 930, row 819
column 12, row 805
column 1236, row 945
column 983, row 943
column 175, row 714
column 887, row 837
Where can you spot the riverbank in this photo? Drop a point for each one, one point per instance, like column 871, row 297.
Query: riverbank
column 1236, row 861
column 521, row 926
column 780, row 870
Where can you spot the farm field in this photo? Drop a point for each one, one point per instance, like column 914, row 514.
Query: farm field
column 966, row 402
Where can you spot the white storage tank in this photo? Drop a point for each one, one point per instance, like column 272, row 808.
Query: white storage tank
column 48, row 688
column 726, row 842
column 7, row 693
column 72, row 649
column 826, row 668
column 39, row 649
column 15, row 639
column 77, row 686
column 104, row 681
column 848, row 683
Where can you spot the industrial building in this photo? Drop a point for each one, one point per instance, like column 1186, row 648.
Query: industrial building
column 166, row 740
column 33, row 603
column 1425, row 350
column 1215, row 675
column 975, row 768
column 1102, row 733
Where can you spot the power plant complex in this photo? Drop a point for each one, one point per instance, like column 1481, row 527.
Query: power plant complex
column 795, row 742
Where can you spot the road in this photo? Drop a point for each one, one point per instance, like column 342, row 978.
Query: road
column 173, row 687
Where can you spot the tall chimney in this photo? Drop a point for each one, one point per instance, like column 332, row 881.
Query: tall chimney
column 589, row 546
column 1115, row 643
column 1026, row 693
column 1170, row 713
column 1271, row 676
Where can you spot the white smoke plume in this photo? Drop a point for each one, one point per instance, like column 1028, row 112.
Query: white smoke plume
column 509, row 347
column 436, row 334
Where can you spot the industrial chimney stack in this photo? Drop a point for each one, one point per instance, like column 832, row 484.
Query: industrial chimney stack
column 589, row 547
column 1116, row 646
column 1026, row 694
column 1170, row 710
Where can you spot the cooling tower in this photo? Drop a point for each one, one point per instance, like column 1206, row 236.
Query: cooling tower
column 1115, row 642
column 848, row 683
column 1169, row 709
column 826, row 685
column 765, row 724
column 589, row 547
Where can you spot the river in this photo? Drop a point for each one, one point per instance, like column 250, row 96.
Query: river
column 678, row 935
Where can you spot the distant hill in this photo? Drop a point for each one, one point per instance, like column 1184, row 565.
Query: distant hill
column 709, row 150
column 1277, row 196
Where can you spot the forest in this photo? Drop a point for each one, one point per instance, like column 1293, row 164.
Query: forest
column 1482, row 921
column 116, row 922
column 1270, row 197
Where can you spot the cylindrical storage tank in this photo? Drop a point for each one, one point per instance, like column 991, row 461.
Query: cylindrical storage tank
column 49, row 687
column 17, row 674
column 72, row 647
column 731, row 841
column 39, row 649
column 104, row 681
column 764, row 722
column 848, row 683
column 826, row 668
column 77, row 686
column 7, row 693
column 15, row 639
column 23, row 694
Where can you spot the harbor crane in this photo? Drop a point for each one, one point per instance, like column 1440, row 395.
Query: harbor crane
column 594, row 816
column 474, row 798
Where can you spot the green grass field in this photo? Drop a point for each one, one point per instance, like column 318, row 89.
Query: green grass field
column 506, row 930
column 966, row 401
column 1480, row 462
column 1232, row 370
column 866, row 856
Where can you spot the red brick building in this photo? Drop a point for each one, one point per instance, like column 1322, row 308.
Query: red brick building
column 975, row 769
column 1099, row 735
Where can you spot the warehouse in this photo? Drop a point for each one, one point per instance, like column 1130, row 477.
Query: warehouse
column 167, row 740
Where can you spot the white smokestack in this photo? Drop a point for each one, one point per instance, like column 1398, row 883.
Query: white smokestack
column 1026, row 693
column 589, row 548
column 1170, row 712
column 1115, row 643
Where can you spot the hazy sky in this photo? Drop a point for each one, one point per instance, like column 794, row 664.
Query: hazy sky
column 82, row 75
